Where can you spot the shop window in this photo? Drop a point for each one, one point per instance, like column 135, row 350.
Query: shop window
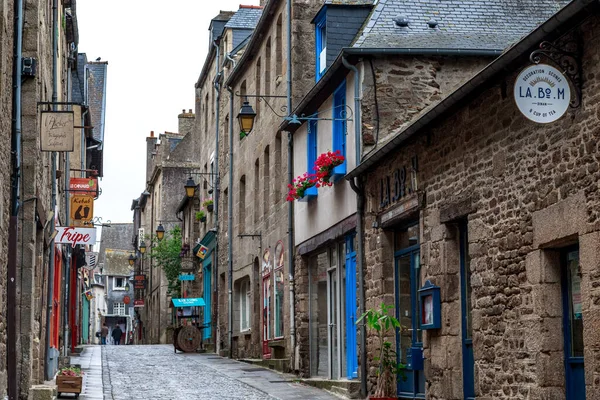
column 279, row 290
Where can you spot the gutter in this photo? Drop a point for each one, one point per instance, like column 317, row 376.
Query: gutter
column 496, row 67
column 338, row 64
column 217, row 100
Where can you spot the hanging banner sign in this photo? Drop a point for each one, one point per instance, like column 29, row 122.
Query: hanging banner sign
column 56, row 131
column 542, row 93
column 84, row 186
column 82, row 209
column 75, row 235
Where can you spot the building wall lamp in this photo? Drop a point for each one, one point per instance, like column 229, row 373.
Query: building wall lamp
column 190, row 185
column 247, row 114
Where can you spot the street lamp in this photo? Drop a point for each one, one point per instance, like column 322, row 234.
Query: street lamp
column 143, row 247
column 160, row 230
column 246, row 117
column 131, row 259
column 190, row 187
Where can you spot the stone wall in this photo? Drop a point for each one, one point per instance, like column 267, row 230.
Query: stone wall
column 402, row 87
column 526, row 190
column 6, row 50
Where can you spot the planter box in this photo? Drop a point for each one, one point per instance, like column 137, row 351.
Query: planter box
column 69, row 384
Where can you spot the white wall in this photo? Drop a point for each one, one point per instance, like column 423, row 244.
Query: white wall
column 335, row 203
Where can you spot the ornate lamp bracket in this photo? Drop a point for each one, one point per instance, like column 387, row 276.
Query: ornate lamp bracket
column 568, row 58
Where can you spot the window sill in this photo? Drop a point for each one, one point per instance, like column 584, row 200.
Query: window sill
column 309, row 194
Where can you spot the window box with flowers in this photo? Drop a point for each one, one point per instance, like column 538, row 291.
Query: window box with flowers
column 208, row 203
column 69, row 380
column 326, row 167
column 303, row 188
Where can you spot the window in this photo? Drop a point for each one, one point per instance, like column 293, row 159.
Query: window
column 321, row 45
column 258, row 69
column 242, row 205
column 268, row 67
column 119, row 283
column 339, row 127
column 311, row 157
column 245, row 306
column 256, row 191
column 277, row 167
column 267, row 187
column 278, row 49
column 119, row 308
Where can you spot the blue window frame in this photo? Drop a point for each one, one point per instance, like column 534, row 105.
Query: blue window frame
column 321, row 43
column 339, row 128
column 311, row 157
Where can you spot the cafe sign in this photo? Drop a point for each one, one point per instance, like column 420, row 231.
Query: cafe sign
column 542, row 93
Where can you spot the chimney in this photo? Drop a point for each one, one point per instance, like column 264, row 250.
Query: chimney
column 151, row 133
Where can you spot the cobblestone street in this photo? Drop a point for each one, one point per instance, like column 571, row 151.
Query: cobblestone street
column 155, row 372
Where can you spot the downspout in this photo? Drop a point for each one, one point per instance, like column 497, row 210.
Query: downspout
column 216, row 202
column 83, row 144
column 291, row 203
column 360, row 200
column 13, row 229
column 230, row 225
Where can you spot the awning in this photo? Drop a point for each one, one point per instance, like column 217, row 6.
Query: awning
column 189, row 302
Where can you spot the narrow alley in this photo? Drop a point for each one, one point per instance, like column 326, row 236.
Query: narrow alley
column 156, row 372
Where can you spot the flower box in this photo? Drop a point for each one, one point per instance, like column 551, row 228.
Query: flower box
column 69, row 384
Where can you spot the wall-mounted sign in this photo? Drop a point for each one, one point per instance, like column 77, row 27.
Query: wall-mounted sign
column 187, row 277
column 75, row 235
column 126, row 299
column 139, row 281
column 400, row 184
column 542, row 93
column 85, row 186
column 138, row 303
column 82, row 209
column 56, row 131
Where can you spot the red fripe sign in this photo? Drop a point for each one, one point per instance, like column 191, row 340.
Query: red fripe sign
column 75, row 235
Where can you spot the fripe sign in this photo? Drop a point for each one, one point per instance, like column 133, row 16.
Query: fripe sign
column 75, row 235
column 542, row 93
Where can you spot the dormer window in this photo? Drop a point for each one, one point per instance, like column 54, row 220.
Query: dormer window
column 321, row 45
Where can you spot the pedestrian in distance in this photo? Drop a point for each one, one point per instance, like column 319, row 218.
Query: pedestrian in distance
column 104, row 333
column 116, row 335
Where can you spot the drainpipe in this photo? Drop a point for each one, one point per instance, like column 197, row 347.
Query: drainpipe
column 360, row 200
column 230, row 225
column 13, row 228
column 83, row 143
column 216, row 201
column 290, row 178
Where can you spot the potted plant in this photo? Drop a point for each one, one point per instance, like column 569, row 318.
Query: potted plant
column 208, row 203
column 201, row 216
column 389, row 370
column 324, row 166
column 299, row 186
column 69, row 380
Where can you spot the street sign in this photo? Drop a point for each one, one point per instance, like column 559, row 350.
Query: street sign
column 82, row 209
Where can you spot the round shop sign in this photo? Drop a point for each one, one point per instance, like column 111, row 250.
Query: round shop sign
column 126, row 299
column 542, row 93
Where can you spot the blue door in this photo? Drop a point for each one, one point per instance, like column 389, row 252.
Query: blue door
column 468, row 362
column 207, row 283
column 573, row 325
column 351, row 346
column 409, row 340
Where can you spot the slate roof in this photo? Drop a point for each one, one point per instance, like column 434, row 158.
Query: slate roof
column 349, row 2
column 244, row 18
column 97, row 97
column 78, row 78
column 462, row 24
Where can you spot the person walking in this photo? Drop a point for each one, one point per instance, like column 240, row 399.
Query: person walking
column 104, row 333
column 116, row 335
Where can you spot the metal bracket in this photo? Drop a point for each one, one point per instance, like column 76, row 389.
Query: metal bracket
column 568, row 58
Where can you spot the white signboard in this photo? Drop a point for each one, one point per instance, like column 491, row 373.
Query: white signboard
column 542, row 93
column 57, row 131
column 75, row 235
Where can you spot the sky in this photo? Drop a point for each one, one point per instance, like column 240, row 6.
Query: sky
column 155, row 52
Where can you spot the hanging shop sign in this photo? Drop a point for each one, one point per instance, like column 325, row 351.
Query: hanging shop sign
column 187, row 277
column 139, row 281
column 88, row 295
column 138, row 303
column 82, row 209
column 202, row 252
column 56, row 131
column 84, row 186
column 542, row 93
column 75, row 235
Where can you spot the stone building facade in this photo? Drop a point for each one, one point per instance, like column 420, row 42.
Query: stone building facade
column 500, row 213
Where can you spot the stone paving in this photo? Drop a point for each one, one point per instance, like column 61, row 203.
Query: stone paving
column 154, row 372
column 90, row 360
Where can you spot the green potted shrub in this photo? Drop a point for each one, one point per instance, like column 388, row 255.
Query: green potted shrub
column 208, row 203
column 201, row 216
column 389, row 370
